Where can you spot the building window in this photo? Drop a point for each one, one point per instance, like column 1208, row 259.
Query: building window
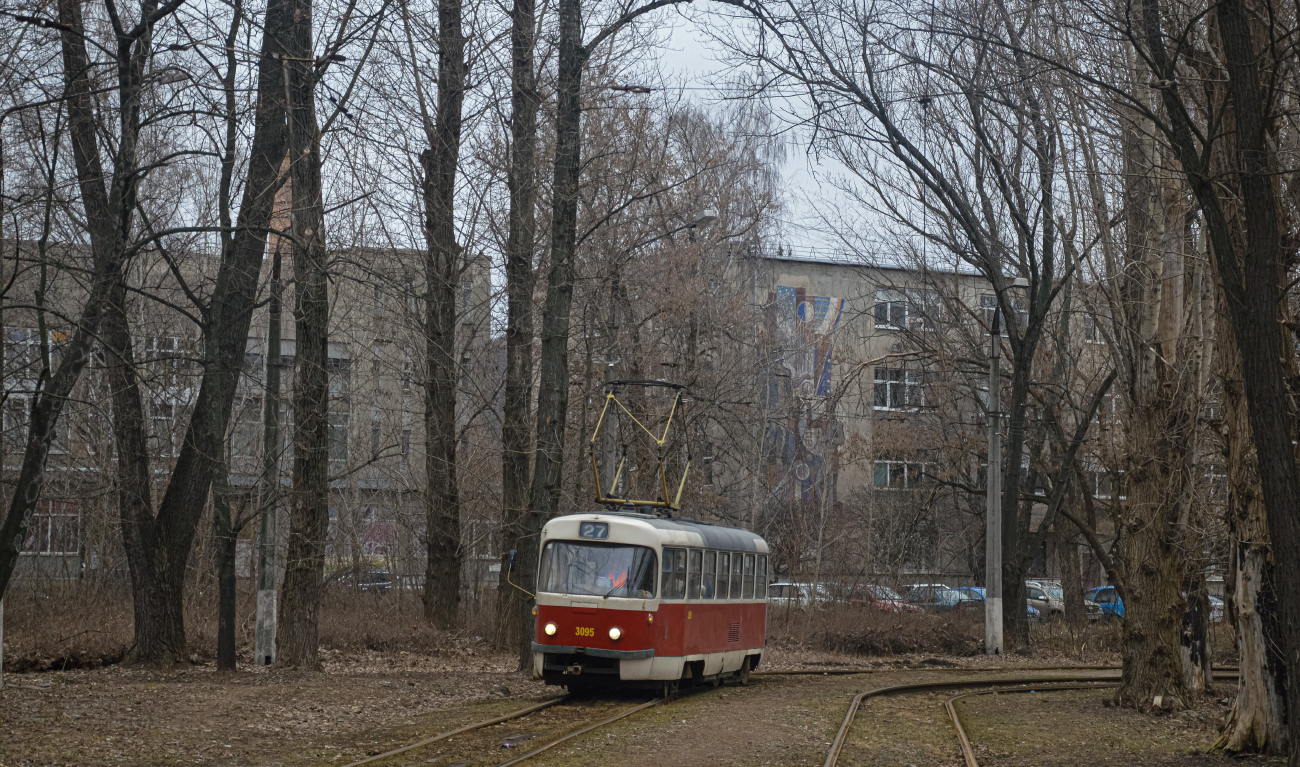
column 17, row 407
column 338, row 433
column 907, row 310
column 162, row 416
column 406, row 448
column 1104, row 484
column 55, row 528
column 22, row 353
column 163, row 354
column 989, row 306
column 248, row 425
column 899, row 389
column 1091, row 330
column 899, row 475
column 376, row 437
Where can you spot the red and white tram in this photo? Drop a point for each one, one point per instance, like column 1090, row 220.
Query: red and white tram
column 635, row 600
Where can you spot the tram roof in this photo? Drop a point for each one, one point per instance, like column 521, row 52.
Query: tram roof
column 715, row 536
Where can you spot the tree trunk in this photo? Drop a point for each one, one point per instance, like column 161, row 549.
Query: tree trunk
column 1067, row 553
column 1195, row 640
column 553, row 392
column 225, row 540
column 442, row 502
column 1257, row 721
column 298, row 620
column 516, row 438
column 109, row 216
column 1246, row 250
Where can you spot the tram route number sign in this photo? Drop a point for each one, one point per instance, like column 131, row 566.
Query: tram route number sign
column 595, row 530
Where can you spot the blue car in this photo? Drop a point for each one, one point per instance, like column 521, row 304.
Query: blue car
column 976, row 594
column 1106, row 598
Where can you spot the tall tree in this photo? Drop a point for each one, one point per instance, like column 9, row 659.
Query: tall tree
column 553, row 386
column 1230, row 163
column 158, row 544
column 108, row 200
column 442, row 277
column 521, row 281
column 298, row 622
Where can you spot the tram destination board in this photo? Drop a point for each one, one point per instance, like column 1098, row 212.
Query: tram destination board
column 598, row 531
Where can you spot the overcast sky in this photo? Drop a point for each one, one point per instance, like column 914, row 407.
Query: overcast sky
column 690, row 55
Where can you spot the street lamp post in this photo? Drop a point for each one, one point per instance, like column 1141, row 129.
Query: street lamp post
column 993, row 485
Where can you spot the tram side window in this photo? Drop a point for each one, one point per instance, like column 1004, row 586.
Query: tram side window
column 724, row 570
column 674, row 578
column 749, row 577
column 693, row 562
column 708, row 587
column 736, row 561
column 760, row 577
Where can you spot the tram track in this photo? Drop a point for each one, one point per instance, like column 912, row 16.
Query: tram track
column 512, row 716
column 1093, row 677
column 984, row 686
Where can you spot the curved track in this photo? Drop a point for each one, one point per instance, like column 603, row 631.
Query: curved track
column 986, row 686
column 1096, row 676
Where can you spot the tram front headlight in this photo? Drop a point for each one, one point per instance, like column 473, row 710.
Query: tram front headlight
column 550, row 629
column 615, row 633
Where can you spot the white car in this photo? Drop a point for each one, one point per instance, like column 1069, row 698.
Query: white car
column 797, row 595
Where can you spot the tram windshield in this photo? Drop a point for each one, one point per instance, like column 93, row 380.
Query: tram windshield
column 598, row 569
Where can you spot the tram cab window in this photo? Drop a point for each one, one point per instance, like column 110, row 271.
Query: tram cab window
column 708, row 587
column 596, row 569
column 674, row 573
column 724, row 573
column 748, row 587
column 694, row 559
column 736, row 561
column 760, row 577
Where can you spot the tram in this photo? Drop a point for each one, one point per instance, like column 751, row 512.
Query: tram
column 631, row 599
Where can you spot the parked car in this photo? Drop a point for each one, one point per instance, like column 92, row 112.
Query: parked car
column 371, row 581
column 876, row 597
column 935, row 597
column 798, row 595
column 1046, row 598
column 975, row 600
column 1107, row 600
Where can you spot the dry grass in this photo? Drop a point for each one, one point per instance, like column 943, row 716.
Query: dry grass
column 64, row 625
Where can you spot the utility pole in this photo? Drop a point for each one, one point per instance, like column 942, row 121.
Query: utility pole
column 609, row 444
column 993, row 485
column 264, row 636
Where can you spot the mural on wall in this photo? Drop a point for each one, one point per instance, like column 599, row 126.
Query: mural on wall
column 801, row 434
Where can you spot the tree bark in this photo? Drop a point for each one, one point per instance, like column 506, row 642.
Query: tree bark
column 1257, row 721
column 1246, row 250
column 442, row 258
column 299, row 610
column 553, row 391
column 521, row 279
column 225, row 533
column 109, row 215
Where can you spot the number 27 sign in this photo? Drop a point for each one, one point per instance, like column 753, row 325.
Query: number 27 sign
column 595, row 530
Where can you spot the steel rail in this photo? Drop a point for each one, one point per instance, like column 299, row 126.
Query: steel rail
column 968, row 752
column 584, row 730
column 838, row 744
column 467, row 728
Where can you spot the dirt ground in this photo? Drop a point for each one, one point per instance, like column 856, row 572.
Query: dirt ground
column 367, row 703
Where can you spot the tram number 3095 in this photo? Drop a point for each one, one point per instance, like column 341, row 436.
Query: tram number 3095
column 583, row 631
